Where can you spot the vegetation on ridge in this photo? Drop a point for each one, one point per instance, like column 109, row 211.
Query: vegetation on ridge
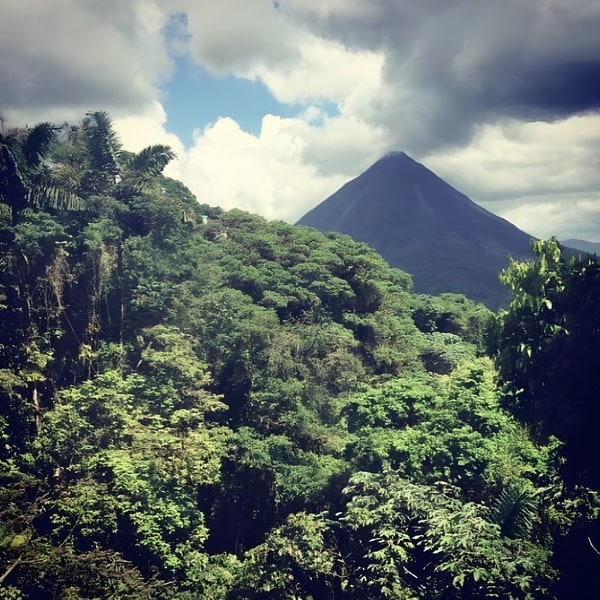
column 204, row 404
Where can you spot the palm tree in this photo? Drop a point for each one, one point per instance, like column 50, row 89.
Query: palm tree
column 103, row 143
column 27, row 178
column 13, row 190
column 115, row 171
column 141, row 169
column 24, row 174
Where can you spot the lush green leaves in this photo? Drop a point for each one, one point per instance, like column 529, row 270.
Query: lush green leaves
column 204, row 404
column 547, row 347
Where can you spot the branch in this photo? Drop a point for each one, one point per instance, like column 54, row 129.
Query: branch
column 10, row 569
column 593, row 547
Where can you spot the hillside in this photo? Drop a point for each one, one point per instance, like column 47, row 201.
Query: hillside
column 583, row 245
column 424, row 226
column 205, row 404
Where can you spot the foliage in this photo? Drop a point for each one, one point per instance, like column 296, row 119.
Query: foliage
column 455, row 314
column 198, row 403
column 426, row 540
column 546, row 349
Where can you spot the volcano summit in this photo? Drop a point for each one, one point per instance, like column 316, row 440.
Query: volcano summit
column 421, row 224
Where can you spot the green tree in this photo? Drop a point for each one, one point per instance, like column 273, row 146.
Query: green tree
column 546, row 349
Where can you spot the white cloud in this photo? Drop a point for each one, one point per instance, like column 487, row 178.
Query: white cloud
column 326, row 71
column 265, row 174
column 140, row 130
column 344, row 144
column 574, row 216
column 237, row 36
column 544, row 177
column 516, row 158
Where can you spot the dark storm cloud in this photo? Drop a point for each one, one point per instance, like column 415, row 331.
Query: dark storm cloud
column 572, row 87
column 452, row 64
column 41, row 82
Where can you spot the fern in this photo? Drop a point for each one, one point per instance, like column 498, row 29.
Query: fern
column 514, row 510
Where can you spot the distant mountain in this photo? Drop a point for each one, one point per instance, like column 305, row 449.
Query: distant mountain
column 423, row 225
column 590, row 247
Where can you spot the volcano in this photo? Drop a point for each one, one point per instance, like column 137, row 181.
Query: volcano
column 422, row 225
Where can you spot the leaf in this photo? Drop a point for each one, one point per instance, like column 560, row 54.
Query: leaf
column 514, row 510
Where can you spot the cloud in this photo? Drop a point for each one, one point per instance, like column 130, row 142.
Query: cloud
column 344, row 144
column 63, row 58
column 552, row 216
column 137, row 131
column 267, row 174
column 450, row 66
column 544, row 177
column 238, row 37
column 328, row 71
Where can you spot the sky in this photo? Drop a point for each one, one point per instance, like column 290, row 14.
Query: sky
column 271, row 106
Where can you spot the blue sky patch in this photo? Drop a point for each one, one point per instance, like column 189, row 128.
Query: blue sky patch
column 193, row 98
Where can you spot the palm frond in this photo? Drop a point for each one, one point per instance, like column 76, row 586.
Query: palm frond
column 56, row 197
column 103, row 142
column 153, row 159
column 37, row 142
column 129, row 187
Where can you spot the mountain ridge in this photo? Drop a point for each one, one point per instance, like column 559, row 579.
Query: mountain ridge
column 582, row 245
